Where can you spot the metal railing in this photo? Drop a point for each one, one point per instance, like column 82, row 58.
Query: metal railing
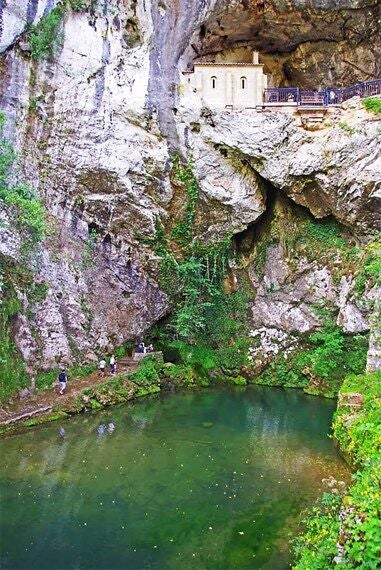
column 282, row 95
column 311, row 98
column 325, row 97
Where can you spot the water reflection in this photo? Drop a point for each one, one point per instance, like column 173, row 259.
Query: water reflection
column 209, row 480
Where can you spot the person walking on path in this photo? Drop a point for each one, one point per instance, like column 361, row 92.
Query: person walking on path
column 62, row 379
column 102, row 366
column 112, row 365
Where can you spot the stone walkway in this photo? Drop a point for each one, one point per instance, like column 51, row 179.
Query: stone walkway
column 43, row 401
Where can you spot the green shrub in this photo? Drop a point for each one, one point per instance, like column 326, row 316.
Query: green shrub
column 360, row 439
column 358, row 432
column 315, row 237
column 192, row 274
column 47, row 34
column 183, row 374
column 147, row 372
column 328, row 356
column 317, row 547
column 30, row 211
column 236, row 380
column 12, row 373
column 372, row 104
column 369, row 272
column 80, row 5
column 347, row 128
column 7, row 153
column 89, row 249
column 184, row 175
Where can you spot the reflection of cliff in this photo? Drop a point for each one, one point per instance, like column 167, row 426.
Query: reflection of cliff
column 96, row 127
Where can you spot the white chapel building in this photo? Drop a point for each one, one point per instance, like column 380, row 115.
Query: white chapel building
column 231, row 85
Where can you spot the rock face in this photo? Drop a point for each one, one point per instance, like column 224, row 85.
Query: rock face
column 331, row 171
column 306, row 43
column 15, row 16
column 96, row 128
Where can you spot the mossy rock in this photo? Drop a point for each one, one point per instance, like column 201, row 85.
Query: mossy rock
column 236, row 380
column 147, row 390
column 95, row 405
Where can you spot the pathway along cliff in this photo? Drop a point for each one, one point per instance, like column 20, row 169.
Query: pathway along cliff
column 34, row 407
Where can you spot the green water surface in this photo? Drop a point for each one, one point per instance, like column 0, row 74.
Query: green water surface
column 208, row 480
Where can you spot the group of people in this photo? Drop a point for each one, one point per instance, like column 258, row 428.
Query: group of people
column 63, row 378
column 102, row 366
column 142, row 348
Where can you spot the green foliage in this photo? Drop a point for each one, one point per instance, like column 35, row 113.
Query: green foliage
column 37, row 293
column 261, row 254
column 195, row 282
column 181, row 373
column 47, row 34
column 334, row 354
column 360, row 438
column 372, row 104
column 328, row 356
column 123, row 350
column 30, row 211
column 358, row 432
column 316, row 548
column 369, row 272
column 7, row 154
column 147, row 372
column 81, row 5
column 182, row 233
column 236, row 380
column 347, row 128
column 12, row 373
column 89, row 250
column 325, row 233
column 314, row 238
column 193, row 274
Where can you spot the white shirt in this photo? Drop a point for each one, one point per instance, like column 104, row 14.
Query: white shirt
column 102, row 364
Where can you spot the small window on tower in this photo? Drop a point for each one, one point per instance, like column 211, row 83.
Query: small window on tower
column 243, row 82
column 214, row 82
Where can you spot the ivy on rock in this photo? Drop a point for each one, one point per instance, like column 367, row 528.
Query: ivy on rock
column 29, row 221
column 206, row 318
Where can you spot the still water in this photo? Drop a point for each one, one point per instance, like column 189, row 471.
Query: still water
column 211, row 480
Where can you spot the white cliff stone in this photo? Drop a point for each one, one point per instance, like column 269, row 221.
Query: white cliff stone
column 330, row 171
column 16, row 16
column 96, row 153
column 350, row 317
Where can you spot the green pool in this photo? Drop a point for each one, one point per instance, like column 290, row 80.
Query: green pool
column 208, row 480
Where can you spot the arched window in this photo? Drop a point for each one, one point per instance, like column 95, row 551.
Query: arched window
column 243, row 81
column 213, row 81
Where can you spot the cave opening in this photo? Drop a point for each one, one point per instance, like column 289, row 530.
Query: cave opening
column 307, row 48
column 280, row 207
column 94, row 228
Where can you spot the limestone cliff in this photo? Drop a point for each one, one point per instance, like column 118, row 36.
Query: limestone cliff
column 97, row 124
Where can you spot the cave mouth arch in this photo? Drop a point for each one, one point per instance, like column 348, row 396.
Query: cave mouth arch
column 308, row 46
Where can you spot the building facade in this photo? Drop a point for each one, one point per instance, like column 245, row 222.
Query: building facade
column 231, row 85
